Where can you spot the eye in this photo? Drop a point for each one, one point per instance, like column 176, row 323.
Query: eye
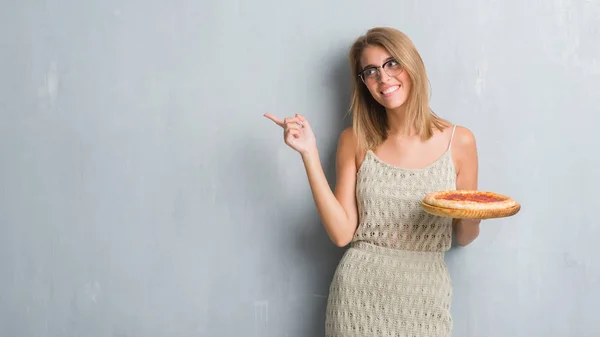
column 370, row 72
column 392, row 64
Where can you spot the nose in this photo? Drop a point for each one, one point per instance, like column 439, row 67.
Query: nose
column 383, row 76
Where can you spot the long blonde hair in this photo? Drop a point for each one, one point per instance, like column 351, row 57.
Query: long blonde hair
column 369, row 119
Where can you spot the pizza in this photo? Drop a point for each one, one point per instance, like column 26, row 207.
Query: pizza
column 469, row 200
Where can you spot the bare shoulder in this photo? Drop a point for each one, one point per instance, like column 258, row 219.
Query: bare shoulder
column 348, row 136
column 464, row 149
column 464, row 139
column 348, row 146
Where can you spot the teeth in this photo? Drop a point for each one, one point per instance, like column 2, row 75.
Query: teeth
column 390, row 90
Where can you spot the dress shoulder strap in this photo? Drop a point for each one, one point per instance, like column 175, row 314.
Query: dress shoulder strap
column 451, row 137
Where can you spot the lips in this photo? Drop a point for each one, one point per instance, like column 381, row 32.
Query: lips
column 390, row 89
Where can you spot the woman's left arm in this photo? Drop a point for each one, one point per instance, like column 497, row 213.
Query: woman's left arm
column 466, row 161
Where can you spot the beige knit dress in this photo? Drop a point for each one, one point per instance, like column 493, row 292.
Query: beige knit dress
column 393, row 281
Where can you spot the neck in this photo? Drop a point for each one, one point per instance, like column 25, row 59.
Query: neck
column 397, row 122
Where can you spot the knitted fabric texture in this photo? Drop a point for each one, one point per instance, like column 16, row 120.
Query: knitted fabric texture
column 393, row 281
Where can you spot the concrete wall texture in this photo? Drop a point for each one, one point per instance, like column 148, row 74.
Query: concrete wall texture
column 142, row 192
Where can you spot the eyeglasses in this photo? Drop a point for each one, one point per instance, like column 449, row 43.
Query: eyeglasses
column 391, row 67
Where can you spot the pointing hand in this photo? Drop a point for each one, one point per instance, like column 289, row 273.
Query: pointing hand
column 297, row 133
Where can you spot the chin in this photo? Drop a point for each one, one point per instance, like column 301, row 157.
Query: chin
column 392, row 104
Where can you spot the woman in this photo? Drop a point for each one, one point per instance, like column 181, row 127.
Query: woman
column 392, row 280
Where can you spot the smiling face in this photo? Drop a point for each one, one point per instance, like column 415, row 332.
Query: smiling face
column 391, row 91
column 402, row 91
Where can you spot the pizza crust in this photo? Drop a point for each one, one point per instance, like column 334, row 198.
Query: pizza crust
column 469, row 200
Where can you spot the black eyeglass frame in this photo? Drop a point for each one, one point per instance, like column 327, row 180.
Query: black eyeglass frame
column 383, row 66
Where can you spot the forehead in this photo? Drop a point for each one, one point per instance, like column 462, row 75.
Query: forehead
column 374, row 55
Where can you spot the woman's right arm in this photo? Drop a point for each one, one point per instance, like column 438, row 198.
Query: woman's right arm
column 338, row 211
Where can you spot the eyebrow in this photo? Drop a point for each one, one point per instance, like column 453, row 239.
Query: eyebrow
column 372, row 65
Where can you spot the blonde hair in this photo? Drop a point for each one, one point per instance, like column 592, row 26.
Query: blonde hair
column 369, row 119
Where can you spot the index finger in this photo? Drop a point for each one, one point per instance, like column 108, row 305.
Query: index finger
column 274, row 119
